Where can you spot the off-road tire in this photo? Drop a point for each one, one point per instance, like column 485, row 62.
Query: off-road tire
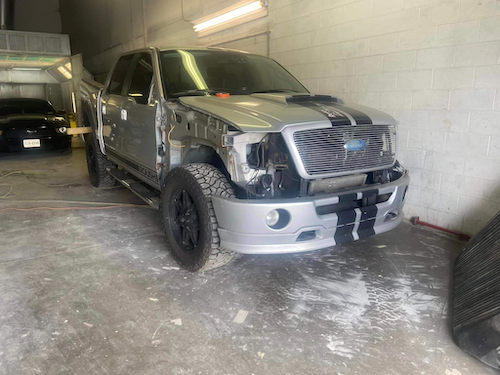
column 97, row 164
column 201, row 181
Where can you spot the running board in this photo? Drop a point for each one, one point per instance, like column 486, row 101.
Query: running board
column 147, row 194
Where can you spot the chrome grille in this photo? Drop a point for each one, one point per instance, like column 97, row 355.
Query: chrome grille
column 323, row 150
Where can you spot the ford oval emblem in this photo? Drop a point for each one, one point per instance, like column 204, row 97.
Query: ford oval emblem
column 355, row 145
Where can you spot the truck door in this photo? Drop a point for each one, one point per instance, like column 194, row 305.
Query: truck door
column 114, row 102
column 138, row 132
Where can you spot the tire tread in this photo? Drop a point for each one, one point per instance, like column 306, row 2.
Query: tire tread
column 211, row 182
column 104, row 179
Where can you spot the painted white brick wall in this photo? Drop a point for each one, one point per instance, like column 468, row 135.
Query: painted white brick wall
column 432, row 64
column 435, row 66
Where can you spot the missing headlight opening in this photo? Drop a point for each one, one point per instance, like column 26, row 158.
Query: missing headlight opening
column 273, row 173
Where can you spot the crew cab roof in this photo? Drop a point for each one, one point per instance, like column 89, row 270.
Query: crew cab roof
column 186, row 48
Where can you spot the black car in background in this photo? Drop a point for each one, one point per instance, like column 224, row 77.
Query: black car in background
column 31, row 124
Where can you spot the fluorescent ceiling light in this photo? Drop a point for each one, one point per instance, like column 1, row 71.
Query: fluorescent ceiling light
column 228, row 16
column 73, row 101
column 68, row 66
column 64, row 72
column 26, row 68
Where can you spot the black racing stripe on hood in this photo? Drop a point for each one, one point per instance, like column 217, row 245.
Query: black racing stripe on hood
column 336, row 117
column 335, row 112
column 359, row 117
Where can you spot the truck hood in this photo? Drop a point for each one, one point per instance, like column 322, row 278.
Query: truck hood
column 273, row 112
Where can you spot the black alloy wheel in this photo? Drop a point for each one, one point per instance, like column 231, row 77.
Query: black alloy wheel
column 188, row 215
column 185, row 220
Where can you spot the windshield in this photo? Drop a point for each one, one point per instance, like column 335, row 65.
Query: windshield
column 193, row 72
column 16, row 107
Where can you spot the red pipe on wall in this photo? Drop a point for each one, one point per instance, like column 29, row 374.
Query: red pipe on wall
column 416, row 220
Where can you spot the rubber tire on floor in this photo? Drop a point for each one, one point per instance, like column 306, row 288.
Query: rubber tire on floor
column 99, row 177
column 201, row 181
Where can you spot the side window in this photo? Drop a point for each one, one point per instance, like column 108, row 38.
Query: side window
column 118, row 77
column 141, row 78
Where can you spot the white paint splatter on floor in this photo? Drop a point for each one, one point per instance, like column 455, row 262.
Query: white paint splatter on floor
column 171, row 268
column 338, row 347
column 359, row 309
column 240, row 316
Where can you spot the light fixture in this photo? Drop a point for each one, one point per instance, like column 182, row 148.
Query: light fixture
column 73, row 101
column 26, row 68
column 242, row 12
column 64, row 72
column 68, row 66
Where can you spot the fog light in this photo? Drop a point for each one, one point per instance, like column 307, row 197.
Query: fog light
column 272, row 218
column 62, row 130
column 391, row 216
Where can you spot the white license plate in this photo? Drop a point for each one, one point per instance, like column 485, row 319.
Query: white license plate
column 31, row 143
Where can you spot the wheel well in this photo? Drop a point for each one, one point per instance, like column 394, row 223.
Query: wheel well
column 206, row 154
column 87, row 117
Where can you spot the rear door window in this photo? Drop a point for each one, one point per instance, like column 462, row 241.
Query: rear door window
column 119, row 74
column 141, row 78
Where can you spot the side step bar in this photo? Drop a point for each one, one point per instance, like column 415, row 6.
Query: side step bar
column 147, row 194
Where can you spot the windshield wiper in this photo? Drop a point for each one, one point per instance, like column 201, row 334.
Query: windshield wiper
column 210, row 91
column 191, row 93
column 273, row 90
column 228, row 90
column 213, row 91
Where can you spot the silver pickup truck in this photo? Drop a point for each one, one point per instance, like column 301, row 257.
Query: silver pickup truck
column 239, row 157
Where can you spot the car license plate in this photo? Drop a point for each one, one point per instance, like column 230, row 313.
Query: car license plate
column 31, row 143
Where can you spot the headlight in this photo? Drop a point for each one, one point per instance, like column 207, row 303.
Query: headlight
column 62, row 130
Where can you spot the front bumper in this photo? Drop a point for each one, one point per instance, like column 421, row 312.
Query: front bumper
column 242, row 226
column 47, row 143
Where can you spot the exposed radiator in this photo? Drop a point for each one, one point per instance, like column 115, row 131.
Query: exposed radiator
column 476, row 296
column 326, row 151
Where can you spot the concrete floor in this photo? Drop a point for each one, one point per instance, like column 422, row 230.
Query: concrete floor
column 97, row 292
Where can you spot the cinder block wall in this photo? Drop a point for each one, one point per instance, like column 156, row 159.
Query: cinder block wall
column 432, row 64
